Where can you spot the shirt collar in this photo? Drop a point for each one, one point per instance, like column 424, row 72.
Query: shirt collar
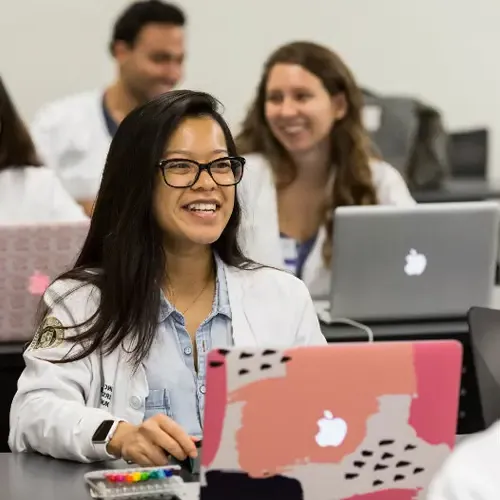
column 221, row 300
column 166, row 308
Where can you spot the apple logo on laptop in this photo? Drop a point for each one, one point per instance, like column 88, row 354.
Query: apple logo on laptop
column 415, row 263
column 38, row 283
column 332, row 430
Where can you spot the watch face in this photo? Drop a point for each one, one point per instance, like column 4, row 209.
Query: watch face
column 102, row 431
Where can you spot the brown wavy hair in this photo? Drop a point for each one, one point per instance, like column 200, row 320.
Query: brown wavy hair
column 16, row 147
column 351, row 148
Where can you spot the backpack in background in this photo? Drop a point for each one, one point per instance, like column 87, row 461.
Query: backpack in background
column 410, row 135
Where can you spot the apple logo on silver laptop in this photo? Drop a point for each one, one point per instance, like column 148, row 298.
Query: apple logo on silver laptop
column 332, row 430
column 415, row 263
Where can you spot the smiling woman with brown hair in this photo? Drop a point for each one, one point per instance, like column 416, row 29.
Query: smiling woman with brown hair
column 29, row 193
column 308, row 153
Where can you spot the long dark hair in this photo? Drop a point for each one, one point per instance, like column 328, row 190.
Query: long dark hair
column 125, row 243
column 16, row 146
column 350, row 147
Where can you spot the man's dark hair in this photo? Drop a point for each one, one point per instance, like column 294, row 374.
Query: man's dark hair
column 140, row 14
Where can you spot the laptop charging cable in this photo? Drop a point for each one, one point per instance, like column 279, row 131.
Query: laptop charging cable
column 323, row 312
column 354, row 324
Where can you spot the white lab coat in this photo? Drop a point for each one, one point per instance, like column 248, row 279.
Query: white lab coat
column 261, row 235
column 71, row 136
column 471, row 472
column 32, row 195
column 58, row 407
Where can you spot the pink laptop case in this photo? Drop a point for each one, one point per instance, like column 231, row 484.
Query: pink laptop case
column 346, row 421
column 31, row 257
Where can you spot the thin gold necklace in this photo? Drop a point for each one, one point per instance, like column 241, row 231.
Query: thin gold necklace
column 195, row 299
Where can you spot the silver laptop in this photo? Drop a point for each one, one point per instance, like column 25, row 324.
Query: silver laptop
column 426, row 261
column 31, row 257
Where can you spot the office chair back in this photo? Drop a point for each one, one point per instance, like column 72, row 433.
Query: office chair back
column 484, row 328
column 468, row 153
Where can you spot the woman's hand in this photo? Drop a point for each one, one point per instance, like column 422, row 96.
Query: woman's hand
column 150, row 443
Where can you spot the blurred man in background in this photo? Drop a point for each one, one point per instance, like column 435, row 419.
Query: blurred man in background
column 73, row 134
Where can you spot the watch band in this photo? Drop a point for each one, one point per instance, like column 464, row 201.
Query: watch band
column 101, row 445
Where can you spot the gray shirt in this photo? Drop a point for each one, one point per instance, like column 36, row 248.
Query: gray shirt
column 175, row 388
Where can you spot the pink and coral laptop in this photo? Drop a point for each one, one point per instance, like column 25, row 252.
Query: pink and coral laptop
column 31, row 256
column 348, row 421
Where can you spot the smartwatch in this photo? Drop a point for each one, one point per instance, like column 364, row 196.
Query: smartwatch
column 104, row 433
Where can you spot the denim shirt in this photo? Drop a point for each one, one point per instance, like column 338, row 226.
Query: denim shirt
column 175, row 388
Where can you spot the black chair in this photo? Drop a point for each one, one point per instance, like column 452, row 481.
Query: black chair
column 11, row 367
column 468, row 154
column 484, row 327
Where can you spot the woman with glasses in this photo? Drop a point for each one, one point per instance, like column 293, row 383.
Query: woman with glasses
column 117, row 365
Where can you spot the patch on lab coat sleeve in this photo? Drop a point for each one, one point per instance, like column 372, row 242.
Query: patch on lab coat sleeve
column 49, row 335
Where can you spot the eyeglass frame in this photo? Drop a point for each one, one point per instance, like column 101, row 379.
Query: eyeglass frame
column 201, row 166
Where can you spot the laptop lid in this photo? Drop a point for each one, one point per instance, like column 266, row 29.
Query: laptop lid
column 334, row 422
column 484, row 327
column 425, row 261
column 31, row 257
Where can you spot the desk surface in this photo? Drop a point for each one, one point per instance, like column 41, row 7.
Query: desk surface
column 427, row 329
column 458, row 190
column 391, row 331
column 26, row 476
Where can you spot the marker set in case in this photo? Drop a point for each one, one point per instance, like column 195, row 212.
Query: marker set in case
column 137, row 483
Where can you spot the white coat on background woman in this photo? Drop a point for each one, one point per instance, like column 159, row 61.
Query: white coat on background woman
column 29, row 192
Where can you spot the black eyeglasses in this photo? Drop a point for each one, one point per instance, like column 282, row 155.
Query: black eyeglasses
column 182, row 173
